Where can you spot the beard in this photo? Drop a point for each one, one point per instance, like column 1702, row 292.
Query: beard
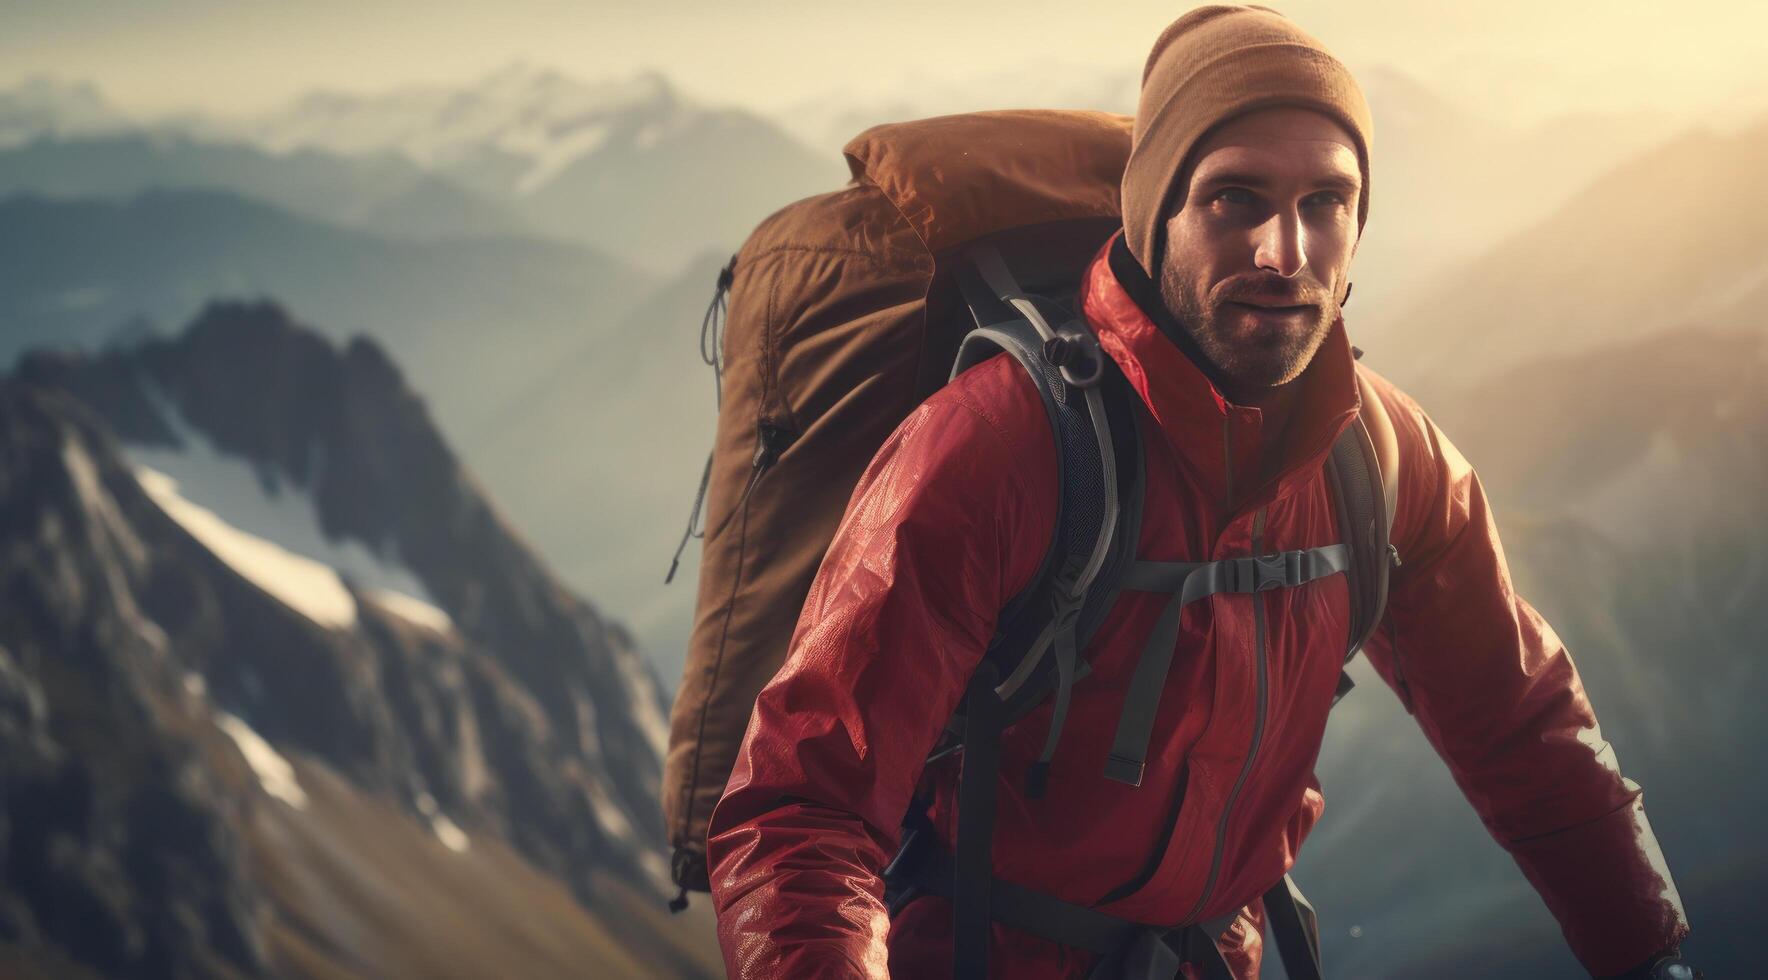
column 1249, row 350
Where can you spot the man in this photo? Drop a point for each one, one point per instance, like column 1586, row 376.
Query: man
column 1245, row 193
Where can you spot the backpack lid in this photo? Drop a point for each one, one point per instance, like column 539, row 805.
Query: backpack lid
column 960, row 177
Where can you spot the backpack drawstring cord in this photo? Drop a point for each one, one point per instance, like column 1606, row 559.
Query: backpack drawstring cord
column 712, row 354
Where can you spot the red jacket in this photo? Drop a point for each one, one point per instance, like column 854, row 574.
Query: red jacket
column 951, row 519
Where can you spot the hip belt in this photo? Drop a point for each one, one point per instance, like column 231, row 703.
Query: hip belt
column 1129, row 950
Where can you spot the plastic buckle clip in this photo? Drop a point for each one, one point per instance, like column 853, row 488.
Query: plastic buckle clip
column 1262, row 573
column 1270, row 572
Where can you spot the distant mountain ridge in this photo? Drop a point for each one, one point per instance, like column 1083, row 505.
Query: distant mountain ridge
column 381, row 193
column 467, row 319
column 624, row 164
column 1676, row 235
column 526, row 111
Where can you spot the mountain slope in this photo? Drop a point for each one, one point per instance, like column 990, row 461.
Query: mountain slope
column 1629, row 484
column 1675, row 235
column 119, row 806
column 509, row 711
column 1606, row 371
column 624, row 422
column 529, row 354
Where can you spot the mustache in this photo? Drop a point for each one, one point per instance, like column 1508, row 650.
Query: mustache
column 1273, row 291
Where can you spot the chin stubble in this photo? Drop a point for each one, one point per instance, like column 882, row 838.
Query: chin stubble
column 1205, row 327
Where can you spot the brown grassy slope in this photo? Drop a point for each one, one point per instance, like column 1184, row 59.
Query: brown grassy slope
column 362, row 890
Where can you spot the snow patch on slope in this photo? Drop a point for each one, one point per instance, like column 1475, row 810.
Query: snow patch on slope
column 645, row 698
column 446, row 830
column 415, row 611
column 449, row 833
column 245, row 495
column 304, row 585
column 269, row 530
column 552, row 155
column 97, row 502
column 645, row 712
column 609, row 814
column 274, row 772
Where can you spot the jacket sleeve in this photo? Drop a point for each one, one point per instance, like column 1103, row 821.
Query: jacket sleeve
column 1498, row 696
column 939, row 533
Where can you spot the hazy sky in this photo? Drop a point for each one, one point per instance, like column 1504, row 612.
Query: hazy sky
column 1520, row 58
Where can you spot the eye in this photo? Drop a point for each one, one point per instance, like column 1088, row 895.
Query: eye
column 1234, row 195
column 1327, row 198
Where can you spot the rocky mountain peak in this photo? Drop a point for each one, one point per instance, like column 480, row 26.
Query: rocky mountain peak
column 259, row 537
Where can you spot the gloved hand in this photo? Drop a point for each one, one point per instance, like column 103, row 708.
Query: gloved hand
column 1667, row 965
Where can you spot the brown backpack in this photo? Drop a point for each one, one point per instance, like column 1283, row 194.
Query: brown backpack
column 842, row 318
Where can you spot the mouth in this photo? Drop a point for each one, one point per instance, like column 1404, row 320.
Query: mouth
column 1271, row 310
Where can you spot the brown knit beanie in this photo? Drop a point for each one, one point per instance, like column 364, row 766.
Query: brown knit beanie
column 1210, row 65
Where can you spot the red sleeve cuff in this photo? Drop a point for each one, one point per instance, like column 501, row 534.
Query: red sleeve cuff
column 1607, row 883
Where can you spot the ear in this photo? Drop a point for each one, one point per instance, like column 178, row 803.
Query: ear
column 1345, row 298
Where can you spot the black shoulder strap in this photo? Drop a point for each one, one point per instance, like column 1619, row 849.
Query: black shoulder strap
column 1042, row 630
column 1365, row 493
column 1038, row 638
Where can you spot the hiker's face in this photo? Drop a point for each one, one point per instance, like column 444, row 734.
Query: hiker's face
column 1255, row 262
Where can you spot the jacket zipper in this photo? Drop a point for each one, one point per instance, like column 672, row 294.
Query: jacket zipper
column 1393, row 648
column 1228, row 463
column 1258, row 728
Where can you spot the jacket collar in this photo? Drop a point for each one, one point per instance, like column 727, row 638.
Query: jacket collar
column 1219, row 442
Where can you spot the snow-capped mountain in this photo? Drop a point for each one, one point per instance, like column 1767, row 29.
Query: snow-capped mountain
column 258, row 542
column 536, row 114
column 46, row 107
column 627, row 164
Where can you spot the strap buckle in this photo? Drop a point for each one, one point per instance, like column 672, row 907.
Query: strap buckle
column 1277, row 571
column 1262, row 573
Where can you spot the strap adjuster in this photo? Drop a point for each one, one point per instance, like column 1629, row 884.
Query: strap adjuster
column 1262, row 573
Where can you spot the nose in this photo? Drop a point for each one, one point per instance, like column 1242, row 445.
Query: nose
column 1281, row 244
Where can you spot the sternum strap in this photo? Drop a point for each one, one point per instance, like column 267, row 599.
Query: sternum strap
column 1188, row 582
